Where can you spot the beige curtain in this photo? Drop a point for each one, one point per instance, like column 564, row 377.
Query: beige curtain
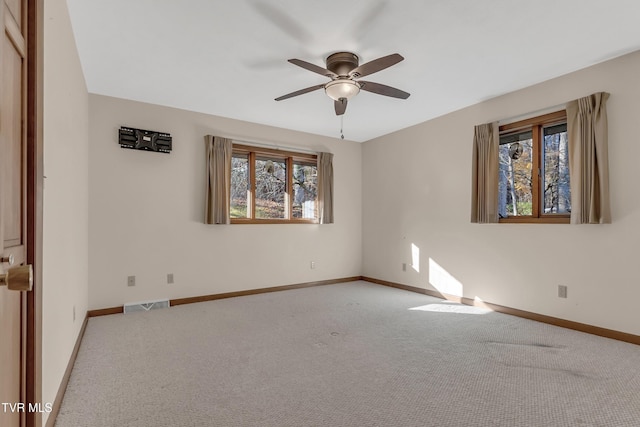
column 588, row 159
column 325, row 188
column 484, row 193
column 219, row 152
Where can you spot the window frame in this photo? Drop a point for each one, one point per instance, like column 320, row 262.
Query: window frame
column 289, row 157
column 536, row 125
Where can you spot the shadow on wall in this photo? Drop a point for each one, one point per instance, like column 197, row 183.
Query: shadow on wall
column 448, row 287
column 451, row 289
column 439, row 278
column 443, row 281
column 415, row 257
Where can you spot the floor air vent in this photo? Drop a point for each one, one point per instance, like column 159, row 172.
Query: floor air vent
column 145, row 306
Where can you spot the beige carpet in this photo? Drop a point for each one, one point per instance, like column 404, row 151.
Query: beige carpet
column 353, row 354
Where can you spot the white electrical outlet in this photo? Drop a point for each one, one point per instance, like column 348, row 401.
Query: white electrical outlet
column 313, row 265
column 562, row 291
column 170, row 278
column 404, row 266
column 131, row 281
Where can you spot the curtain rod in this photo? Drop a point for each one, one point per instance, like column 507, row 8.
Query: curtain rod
column 272, row 145
column 531, row 114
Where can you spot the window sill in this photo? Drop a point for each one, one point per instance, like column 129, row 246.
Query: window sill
column 555, row 219
column 273, row 221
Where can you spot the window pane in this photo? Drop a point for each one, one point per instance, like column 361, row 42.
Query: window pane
column 557, row 194
column 239, row 185
column 514, row 185
column 271, row 187
column 515, row 137
column 305, row 179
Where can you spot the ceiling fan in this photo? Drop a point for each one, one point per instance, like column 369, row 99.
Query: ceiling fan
column 343, row 69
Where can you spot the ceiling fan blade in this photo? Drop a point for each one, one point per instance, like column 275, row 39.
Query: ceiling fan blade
column 340, row 106
column 283, row 21
column 366, row 20
column 383, row 90
column 376, row 65
column 300, row 92
column 311, row 67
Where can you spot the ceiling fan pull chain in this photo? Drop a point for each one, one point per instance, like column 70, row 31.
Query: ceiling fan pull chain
column 341, row 126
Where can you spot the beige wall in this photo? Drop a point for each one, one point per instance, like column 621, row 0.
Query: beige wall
column 417, row 190
column 146, row 213
column 65, row 266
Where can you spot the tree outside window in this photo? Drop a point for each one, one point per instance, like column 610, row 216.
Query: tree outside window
column 272, row 186
column 533, row 184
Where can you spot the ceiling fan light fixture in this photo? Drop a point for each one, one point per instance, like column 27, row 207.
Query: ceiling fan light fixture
column 342, row 88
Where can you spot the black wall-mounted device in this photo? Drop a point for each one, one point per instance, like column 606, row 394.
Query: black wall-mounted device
column 140, row 139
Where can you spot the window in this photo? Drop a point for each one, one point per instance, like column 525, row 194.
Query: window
column 272, row 186
column 533, row 184
column 305, row 185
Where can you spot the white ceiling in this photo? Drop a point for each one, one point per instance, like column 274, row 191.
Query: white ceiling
column 228, row 57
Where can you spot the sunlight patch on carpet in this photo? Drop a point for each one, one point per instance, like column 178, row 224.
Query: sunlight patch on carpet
column 451, row 308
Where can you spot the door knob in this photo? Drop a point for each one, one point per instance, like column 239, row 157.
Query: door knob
column 8, row 259
column 18, row 278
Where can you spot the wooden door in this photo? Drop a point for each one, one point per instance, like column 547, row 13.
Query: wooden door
column 13, row 155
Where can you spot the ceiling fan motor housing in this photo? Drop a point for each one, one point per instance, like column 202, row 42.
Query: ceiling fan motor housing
column 342, row 63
